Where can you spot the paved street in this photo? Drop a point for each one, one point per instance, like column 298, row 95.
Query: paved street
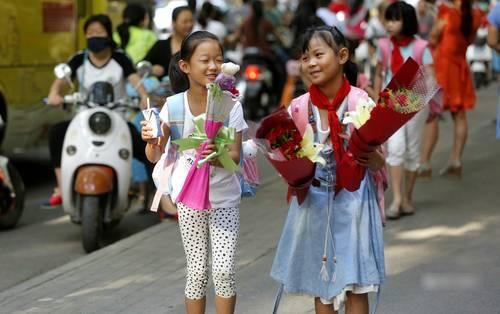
column 444, row 259
column 45, row 238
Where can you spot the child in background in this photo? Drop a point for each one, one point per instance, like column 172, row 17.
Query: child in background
column 403, row 147
column 201, row 59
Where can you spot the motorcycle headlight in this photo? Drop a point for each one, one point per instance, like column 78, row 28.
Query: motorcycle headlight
column 100, row 123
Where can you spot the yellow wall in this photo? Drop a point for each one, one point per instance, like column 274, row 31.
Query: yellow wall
column 28, row 55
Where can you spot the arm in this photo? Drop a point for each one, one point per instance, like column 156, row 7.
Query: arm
column 435, row 33
column 55, row 98
column 155, row 146
column 135, row 80
column 153, row 57
column 377, row 84
column 493, row 37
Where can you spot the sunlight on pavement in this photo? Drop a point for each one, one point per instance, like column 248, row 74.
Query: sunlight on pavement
column 440, row 231
column 123, row 282
column 450, row 282
column 57, row 221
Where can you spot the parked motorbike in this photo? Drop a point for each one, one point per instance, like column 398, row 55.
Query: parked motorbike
column 96, row 162
column 11, row 184
column 479, row 57
column 261, row 84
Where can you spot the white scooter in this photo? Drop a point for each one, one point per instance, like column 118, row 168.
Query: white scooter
column 480, row 56
column 96, row 162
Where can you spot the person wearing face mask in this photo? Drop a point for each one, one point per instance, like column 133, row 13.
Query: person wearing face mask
column 163, row 50
column 101, row 61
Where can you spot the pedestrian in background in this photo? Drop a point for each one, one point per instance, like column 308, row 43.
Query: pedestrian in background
column 135, row 38
column 403, row 147
column 494, row 43
column 134, row 35
column 454, row 30
column 163, row 50
column 100, row 61
column 207, row 21
column 426, row 15
column 331, row 246
column 200, row 60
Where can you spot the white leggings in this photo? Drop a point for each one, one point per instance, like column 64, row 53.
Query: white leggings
column 222, row 224
column 403, row 147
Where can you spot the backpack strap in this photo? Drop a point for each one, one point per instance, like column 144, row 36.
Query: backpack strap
column 385, row 51
column 380, row 176
column 419, row 46
column 175, row 106
column 164, row 167
column 300, row 112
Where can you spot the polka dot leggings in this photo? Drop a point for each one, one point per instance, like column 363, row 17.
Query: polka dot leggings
column 222, row 224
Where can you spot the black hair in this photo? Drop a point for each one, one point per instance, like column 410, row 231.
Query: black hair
column 192, row 41
column 105, row 21
column 133, row 15
column 192, row 5
column 336, row 40
column 257, row 14
column 178, row 79
column 466, row 18
column 404, row 12
column 206, row 13
column 177, row 11
column 324, row 3
column 188, row 46
column 304, row 18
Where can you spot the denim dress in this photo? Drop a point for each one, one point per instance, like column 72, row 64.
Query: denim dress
column 346, row 228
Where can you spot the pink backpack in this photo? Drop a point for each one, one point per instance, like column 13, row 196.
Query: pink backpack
column 384, row 45
column 300, row 115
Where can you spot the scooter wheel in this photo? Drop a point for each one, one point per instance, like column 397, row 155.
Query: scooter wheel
column 92, row 223
column 11, row 207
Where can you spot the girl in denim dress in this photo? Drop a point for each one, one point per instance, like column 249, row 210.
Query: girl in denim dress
column 331, row 246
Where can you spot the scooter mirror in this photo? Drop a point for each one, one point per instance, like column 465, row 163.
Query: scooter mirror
column 62, row 70
column 144, row 68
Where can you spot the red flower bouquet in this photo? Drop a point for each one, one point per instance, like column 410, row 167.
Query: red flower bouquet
column 292, row 154
column 407, row 93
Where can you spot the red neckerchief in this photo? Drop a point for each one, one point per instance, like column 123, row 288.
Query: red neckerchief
column 320, row 100
column 396, row 57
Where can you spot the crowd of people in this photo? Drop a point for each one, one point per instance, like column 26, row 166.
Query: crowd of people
column 341, row 48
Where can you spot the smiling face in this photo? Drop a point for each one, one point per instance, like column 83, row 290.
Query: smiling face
column 205, row 63
column 321, row 64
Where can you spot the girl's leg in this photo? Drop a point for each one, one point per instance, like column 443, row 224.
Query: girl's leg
column 460, row 130
column 407, row 206
column 195, row 306
column 413, row 139
column 396, row 173
column 321, row 308
column 356, row 303
column 396, row 148
column 224, row 224
column 194, row 233
column 431, row 134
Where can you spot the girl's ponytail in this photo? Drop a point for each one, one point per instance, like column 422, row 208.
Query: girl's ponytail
column 351, row 72
column 179, row 80
column 124, row 34
column 133, row 15
column 466, row 19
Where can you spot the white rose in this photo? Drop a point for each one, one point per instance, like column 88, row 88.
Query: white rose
column 230, row 68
